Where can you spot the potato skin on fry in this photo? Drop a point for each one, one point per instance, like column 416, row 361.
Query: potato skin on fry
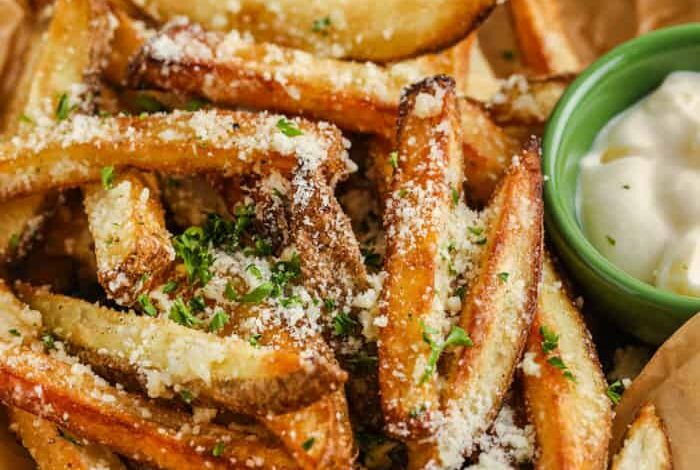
column 361, row 30
column 429, row 167
column 572, row 418
column 132, row 245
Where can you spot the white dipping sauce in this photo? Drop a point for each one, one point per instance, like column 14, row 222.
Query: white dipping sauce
column 639, row 187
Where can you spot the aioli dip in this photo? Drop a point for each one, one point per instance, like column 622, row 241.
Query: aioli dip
column 639, row 187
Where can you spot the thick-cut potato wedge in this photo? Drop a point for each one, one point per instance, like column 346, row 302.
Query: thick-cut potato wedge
column 86, row 406
column 487, row 151
column 543, row 44
column 572, row 418
column 231, row 142
column 53, row 449
column 496, row 314
column 486, row 147
column 229, row 372
column 132, row 245
column 365, row 29
column 429, row 168
column 527, row 101
column 646, row 444
column 322, row 233
column 232, row 71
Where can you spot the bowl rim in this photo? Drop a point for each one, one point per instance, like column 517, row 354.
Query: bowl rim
column 568, row 227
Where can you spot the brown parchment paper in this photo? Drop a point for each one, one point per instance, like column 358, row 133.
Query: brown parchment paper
column 671, row 380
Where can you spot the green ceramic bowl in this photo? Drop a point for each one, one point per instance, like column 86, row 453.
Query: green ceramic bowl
column 610, row 85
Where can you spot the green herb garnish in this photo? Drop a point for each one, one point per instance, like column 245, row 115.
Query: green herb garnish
column 218, row 321
column 107, row 175
column 550, row 340
column 181, row 314
column 343, row 324
column 456, row 337
column 321, row 25
column 260, row 293
column 394, row 160
column 63, row 108
column 145, row 301
column 615, row 391
column 14, row 332
column 170, row 287
column 218, row 449
column 308, row 444
column 288, row 128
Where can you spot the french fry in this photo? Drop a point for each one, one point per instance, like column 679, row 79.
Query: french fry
column 496, row 314
column 527, row 101
column 482, row 82
column 86, row 406
column 429, row 168
column 161, row 354
column 20, row 221
column 232, row 142
column 132, row 245
column 568, row 407
column 646, row 444
column 125, row 44
column 377, row 31
column 54, row 449
column 543, row 43
column 232, row 71
column 191, row 198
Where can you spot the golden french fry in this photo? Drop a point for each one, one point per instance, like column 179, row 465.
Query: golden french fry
column 566, row 399
column 163, row 355
column 54, row 449
column 132, row 245
column 69, row 395
column 378, row 31
column 646, row 444
column 428, row 173
column 527, row 101
column 543, row 43
column 496, row 315
column 232, row 142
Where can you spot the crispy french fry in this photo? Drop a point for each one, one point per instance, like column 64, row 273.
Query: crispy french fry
column 496, row 314
column 429, row 168
column 53, row 449
column 232, row 71
column 229, row 372
column 482, row 82
column 568, row 407
column 86, row 406
column 125, row 44
column 646, row 444
column 523, row 101
column 378, row 31
column 132, row 245
column 543, row 43
column 20, row 220
column 75, row 151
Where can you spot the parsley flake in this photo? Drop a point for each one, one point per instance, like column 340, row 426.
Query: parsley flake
column 455, row 195
column 49, row 341
column 343, row 324
column 63, row 108
column 255, row 339
column 170, row 287
column 218, row 321
column 145, row 301
column 394, row 159
column 456, row 337
column 13, row 244
column 218, row 449
column 258, row 294
column 107, row 176
column 615, row 391
column 503, row 276
column 321, row 25
column 308, row 444
column 288, row 128
column 69, row 437
column 14, row 332
column 550, row 340
column 181, row 314
column 186, row 395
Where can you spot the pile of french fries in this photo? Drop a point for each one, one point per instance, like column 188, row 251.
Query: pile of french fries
column 286, row 235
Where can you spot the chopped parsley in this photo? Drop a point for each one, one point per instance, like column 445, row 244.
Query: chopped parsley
column 625, row 186
column 610, row 240
column 508, row 54
column 394, row 159
column 229, row 292
column 503, row 276
column 456, row 337
column 329, row 304
column 195, row 104
column 181, row 314
column 145, row 301
column 13, row 244
column 403, row 192
column 343, row 324
column 479, row 233
column 148, row 104
column 460, row 292
column 372, row 259
column 170, row 287
column 255, row 339
column 14, row 332
column 321, row 25
column 107, row 176
column 186, row 395
column 193, row 248
column 363, row 359
column 63, row 108
column 218, row 449
column 550, row 342
column 615, row 391
column 260, row 293
column 255, row 271
column 288, row 128
column 69, row 437
column 455, row 195
column 26, row 119
column 308, row 444
column 197, row 303
column 417, row 411
column 218, row 321
column 49, row 341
